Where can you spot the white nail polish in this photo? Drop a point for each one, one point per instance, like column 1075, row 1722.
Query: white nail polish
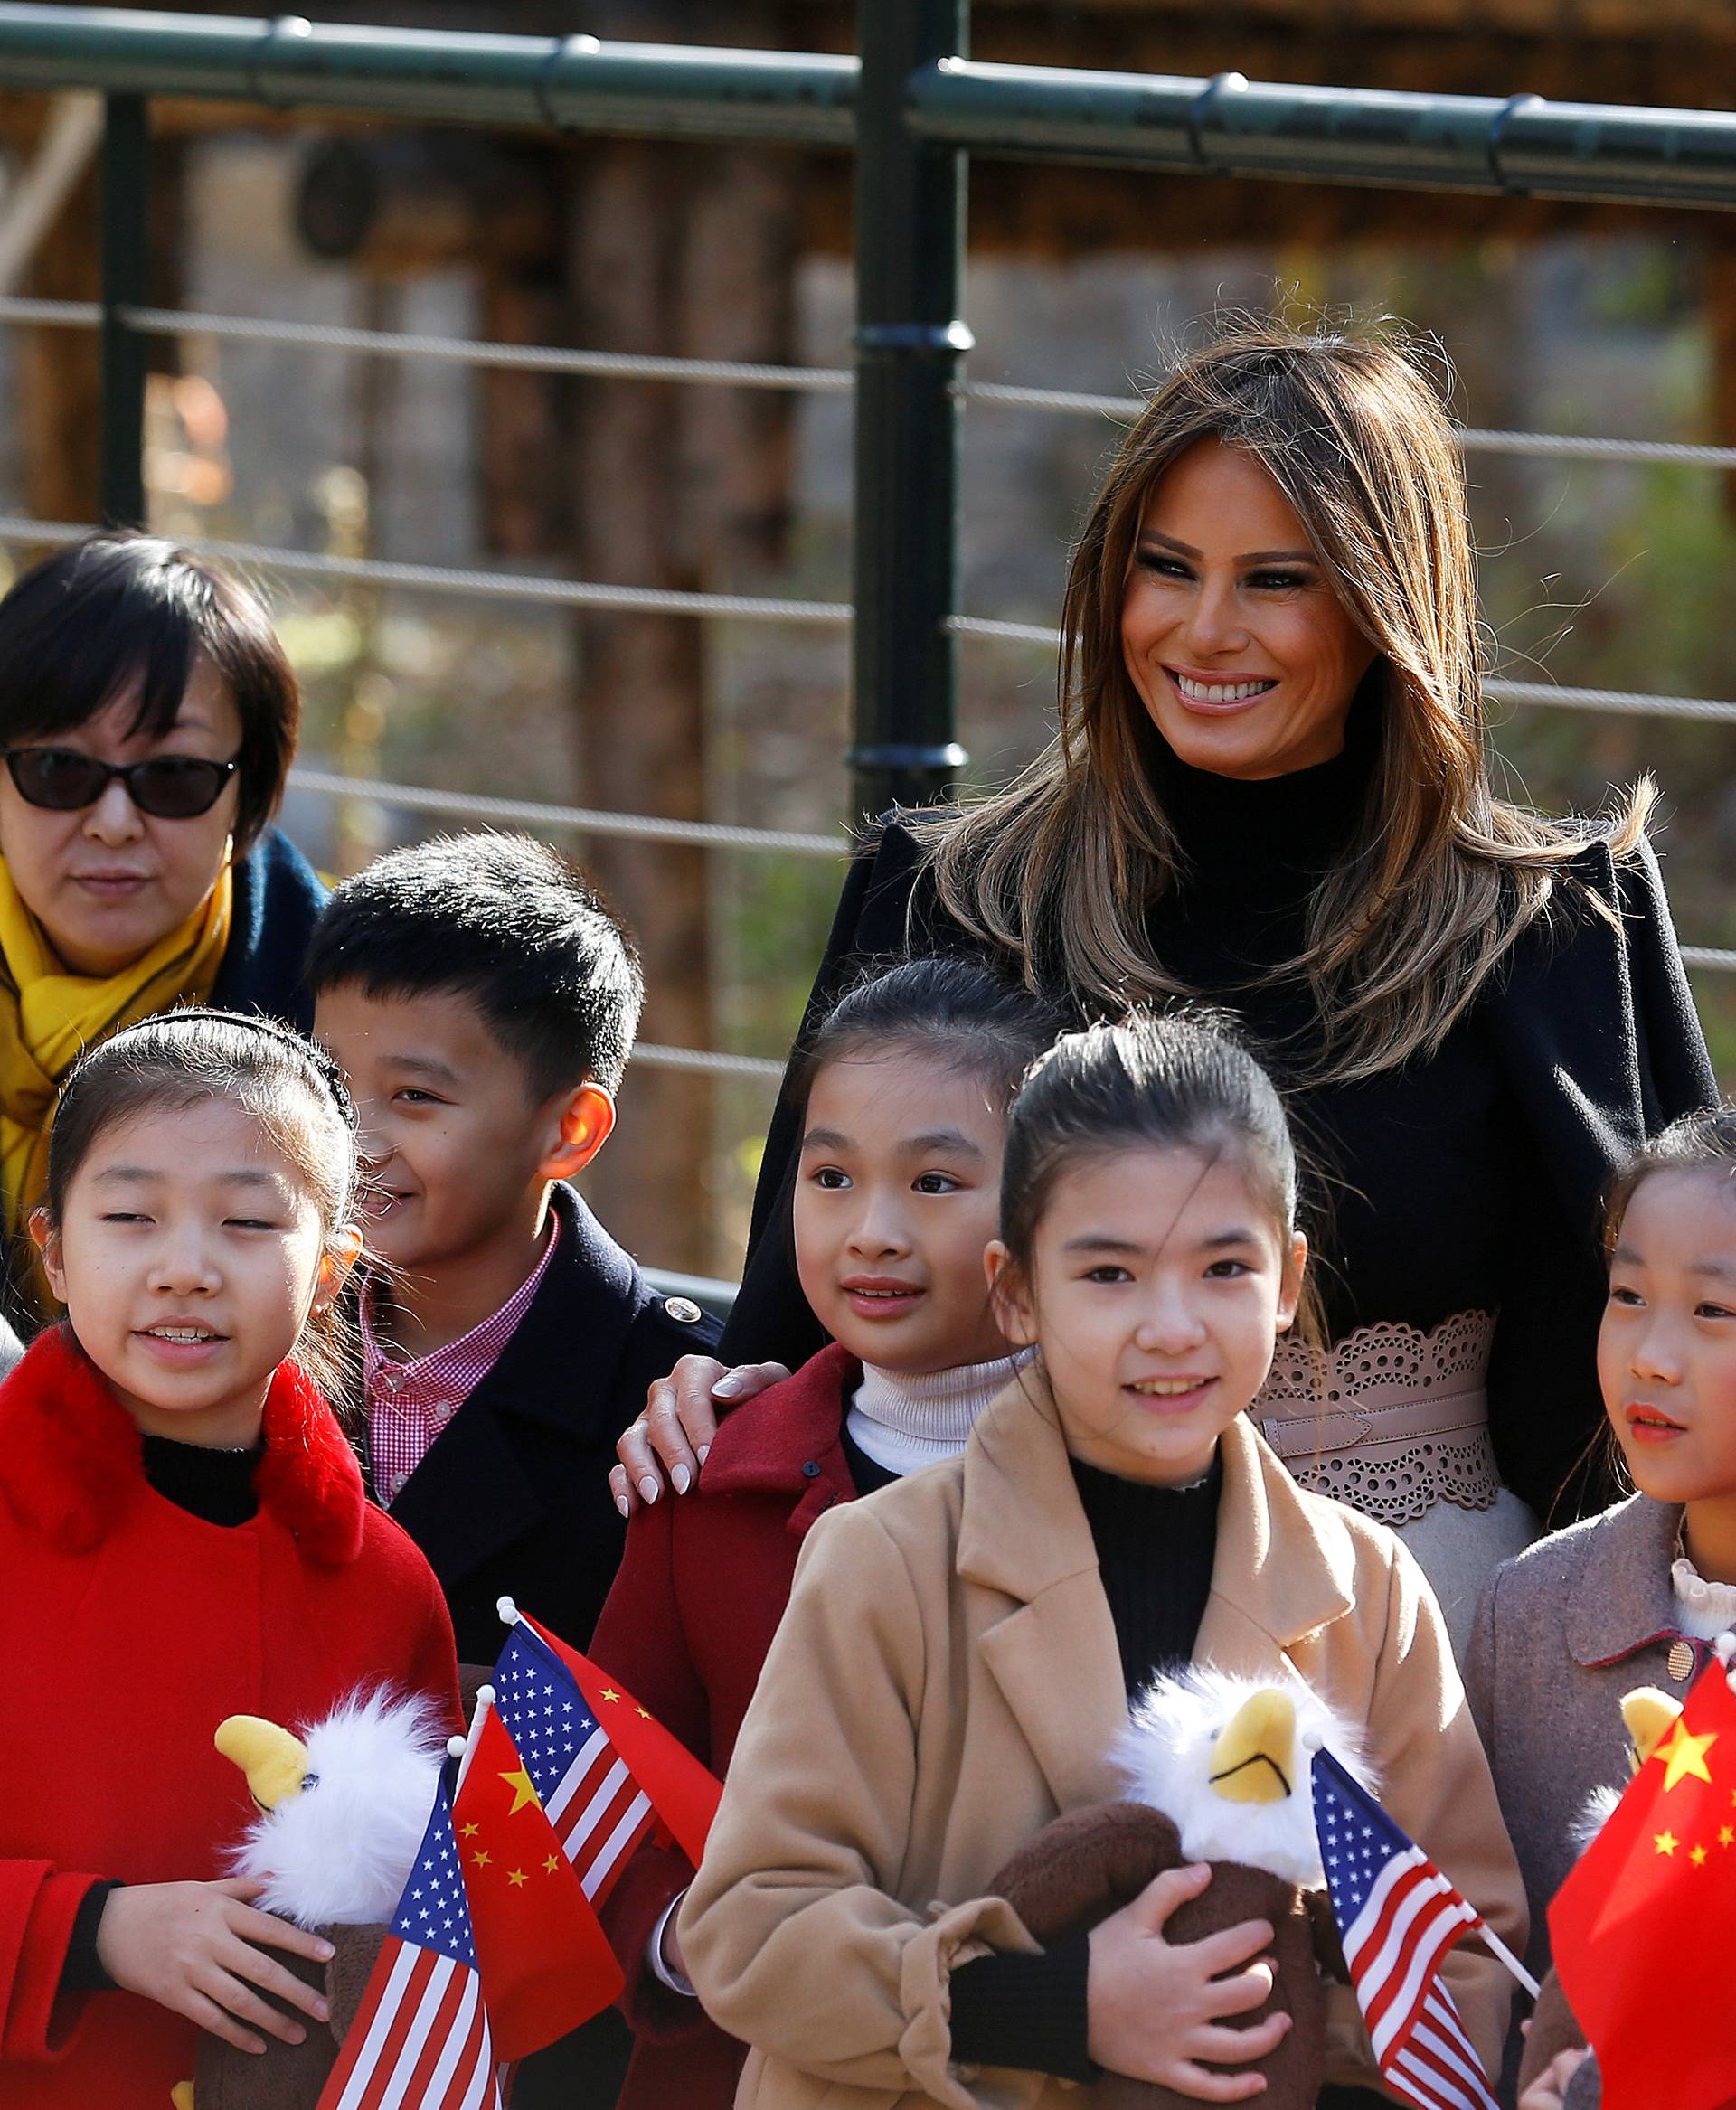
column 682, row 1478
column 620, row 1503
column 648, row 1488
column 704, row 1453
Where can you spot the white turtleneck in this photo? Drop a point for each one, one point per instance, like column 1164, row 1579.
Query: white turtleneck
column 904, row 1422
column 1703, row 1609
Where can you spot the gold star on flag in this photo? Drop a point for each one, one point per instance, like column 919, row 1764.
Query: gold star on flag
column 552, row 1864
column 481, row 1857
column 609, row 1694
column 515, row 1877
column 1698, row 1857
column 522, row 1792
column 1727, row 1835
column 1684, row 1755
column 466, row 1831
column 1665, row 1841
column 644, row 1713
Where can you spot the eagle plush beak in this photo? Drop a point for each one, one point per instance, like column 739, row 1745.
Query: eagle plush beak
column 1254, row 1759
column 1649, row 1715
column 275, row 1764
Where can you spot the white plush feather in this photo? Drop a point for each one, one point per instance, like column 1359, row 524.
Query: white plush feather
column 339, row 1853
column 1597, row 1809
column 1163, row 1755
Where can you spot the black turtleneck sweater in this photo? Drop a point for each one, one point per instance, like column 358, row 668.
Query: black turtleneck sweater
column 1154, row 1549
column 1408, row 1178
column 1426, row 1190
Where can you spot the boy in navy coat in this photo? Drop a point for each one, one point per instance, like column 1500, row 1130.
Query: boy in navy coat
column 483, row 1001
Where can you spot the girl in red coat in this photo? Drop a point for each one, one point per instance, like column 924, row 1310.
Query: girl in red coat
column 183, row 1536
column 907, row 1085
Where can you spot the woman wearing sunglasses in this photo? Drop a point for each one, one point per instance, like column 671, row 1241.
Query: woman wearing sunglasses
column 147, row 721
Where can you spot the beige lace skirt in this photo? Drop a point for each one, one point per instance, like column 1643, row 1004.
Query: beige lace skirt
column 1395, row 1422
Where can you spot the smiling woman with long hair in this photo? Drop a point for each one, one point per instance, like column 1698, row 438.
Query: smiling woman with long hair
column 1269, row 788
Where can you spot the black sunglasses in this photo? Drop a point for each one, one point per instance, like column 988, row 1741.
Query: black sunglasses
column 172, row 787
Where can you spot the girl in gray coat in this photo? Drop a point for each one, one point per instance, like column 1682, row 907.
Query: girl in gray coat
column 1636, row 1596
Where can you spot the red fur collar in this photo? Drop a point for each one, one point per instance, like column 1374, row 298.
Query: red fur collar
column 70, row 1455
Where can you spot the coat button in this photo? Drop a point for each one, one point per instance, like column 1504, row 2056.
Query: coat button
column 683, row 1310
column 1681, row 1661
column 810, row 1471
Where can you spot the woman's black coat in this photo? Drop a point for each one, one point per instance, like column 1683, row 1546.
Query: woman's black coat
column 1593, row 1028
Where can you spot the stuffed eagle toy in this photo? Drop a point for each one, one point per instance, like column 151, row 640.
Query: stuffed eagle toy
column 340, row 1811
column 1216, row 1770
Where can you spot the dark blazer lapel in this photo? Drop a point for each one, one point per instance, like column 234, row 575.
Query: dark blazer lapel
column 1053, row 1655
column 472, row 1495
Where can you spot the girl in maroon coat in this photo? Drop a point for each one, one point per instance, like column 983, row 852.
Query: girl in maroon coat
column 183, row 1536
column 895, row 1199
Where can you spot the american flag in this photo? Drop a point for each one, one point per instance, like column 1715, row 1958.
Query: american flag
column 1397, row 1916
column 420, row 2040
column 598, row 1810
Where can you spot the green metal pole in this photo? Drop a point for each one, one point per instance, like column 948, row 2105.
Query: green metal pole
column 126, row 282
column 909, row 260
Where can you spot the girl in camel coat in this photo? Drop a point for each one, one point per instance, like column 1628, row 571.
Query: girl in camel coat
column 959, row 1648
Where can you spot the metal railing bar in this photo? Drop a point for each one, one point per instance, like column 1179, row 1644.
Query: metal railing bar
column 744, row 607
column 1634, row 701
column 652, row 600
column 1571, row 447
column 553, row 84
column 1516, row 146
column 73, row 314
column 170, row 322
column 504, row 585
column 1227, row 125
column 707, row 1061
column 587, row 820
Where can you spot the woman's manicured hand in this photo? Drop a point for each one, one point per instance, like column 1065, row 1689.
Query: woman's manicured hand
column 670, row 1439
column 199, row 1950
column 1158, row 2007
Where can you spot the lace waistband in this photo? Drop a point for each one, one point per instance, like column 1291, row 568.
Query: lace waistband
column 1390, row 1419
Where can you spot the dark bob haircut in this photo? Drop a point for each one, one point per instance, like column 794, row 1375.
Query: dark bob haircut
column 507, row 924
column 84, row 626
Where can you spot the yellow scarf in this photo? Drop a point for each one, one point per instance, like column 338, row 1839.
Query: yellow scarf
column 47, row 1016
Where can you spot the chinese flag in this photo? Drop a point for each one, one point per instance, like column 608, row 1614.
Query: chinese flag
column 684, row 1795
column 1645, row 1928
column 543, row 1959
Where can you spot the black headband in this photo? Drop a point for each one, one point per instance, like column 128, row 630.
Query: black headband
column 311, row 1053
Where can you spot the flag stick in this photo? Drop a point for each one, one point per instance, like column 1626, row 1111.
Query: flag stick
column 1499, row 1950
column 485, row 1701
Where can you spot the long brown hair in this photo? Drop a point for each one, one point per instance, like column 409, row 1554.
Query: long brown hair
column 1061, row 868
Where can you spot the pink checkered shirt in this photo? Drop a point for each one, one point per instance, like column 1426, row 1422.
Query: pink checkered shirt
column 410, row 1403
